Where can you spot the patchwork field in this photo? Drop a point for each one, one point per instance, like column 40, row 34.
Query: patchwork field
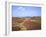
column 26, row 23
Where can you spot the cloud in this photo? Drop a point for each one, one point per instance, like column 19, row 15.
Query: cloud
column 21, row 8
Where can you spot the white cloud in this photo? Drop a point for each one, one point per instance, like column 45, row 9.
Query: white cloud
column 21, row 8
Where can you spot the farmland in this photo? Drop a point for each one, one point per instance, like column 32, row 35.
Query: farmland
column 26, row 23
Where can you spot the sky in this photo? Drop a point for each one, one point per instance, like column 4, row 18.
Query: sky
column 23, row 11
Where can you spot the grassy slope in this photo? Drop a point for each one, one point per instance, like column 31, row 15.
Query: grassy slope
column 27, row 25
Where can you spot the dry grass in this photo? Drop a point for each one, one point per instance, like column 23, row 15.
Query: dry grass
column 33, row 23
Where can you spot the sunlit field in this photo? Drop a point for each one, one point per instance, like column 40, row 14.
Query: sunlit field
column 26, row 23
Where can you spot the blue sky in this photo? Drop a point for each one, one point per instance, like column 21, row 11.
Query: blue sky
column 23, row 11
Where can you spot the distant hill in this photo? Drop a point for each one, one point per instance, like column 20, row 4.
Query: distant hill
column 34, row 17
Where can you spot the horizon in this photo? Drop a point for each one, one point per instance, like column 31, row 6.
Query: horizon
column 26, row 17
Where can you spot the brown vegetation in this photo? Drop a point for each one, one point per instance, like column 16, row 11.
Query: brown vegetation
column 33, row 23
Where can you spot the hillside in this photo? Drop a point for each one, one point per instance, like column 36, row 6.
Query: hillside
column 26, row 23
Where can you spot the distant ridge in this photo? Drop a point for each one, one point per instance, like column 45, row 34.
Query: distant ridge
column 29, row 17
